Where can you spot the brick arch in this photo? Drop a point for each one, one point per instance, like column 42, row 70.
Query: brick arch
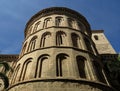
column 47, row 22
column 62, row 62
column 76, row 40
column 24, row 48
column 29, row 30
column 45, row 39
column 59, row 21
column 98, row 71
column 36, row 26
column 25, row 69
column 32, row 44
column 81, row 65
column 88, row 44
column 71, row 23
column 42, row 65
column 14, row 77
column 81, row 27
column 61, row 38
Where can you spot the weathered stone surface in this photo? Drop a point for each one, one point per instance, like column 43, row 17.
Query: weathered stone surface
column 59, row 85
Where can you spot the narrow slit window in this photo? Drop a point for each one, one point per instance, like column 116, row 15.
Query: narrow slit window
column 96, row 37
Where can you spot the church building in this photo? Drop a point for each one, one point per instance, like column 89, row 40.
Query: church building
column 61, row 52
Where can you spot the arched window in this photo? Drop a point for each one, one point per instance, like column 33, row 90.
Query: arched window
column 58, row 21
column 42, row 68
column 47, row 22
column 88, row 45
column 29, row 30
column 62, row 65
column 71, row 23
column 15, row 74
column 96, row 37
column 45, row 39
column 98, row 71
column 76, row 40
column 81, row 27
column 36, row 26
column 60, row 38
column 13, row 65
column 26, row 70
column 81, row 66
column 24, row 49
column 32, row 44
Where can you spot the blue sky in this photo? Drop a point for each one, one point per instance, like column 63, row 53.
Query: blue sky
column 14, row 14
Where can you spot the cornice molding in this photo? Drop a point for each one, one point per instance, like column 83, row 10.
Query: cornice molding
column 97, row 31
column 8, row 58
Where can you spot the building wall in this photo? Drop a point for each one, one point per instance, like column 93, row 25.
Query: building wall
column 102, row 44
column 58, row 53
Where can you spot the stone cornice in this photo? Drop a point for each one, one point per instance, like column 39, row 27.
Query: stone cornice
column 8, row 58
column 65, row 47
column 68, row 80
column 97, row 31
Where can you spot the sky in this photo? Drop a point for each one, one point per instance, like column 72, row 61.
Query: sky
column 14, row 14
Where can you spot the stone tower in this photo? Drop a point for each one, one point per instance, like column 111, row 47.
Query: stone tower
column 58, row 54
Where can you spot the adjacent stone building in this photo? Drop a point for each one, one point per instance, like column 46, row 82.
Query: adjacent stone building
column 60, row 52
column 102, row 44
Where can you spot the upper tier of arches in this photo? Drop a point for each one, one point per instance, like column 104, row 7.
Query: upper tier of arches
column 59, row 17
column 55, row 21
